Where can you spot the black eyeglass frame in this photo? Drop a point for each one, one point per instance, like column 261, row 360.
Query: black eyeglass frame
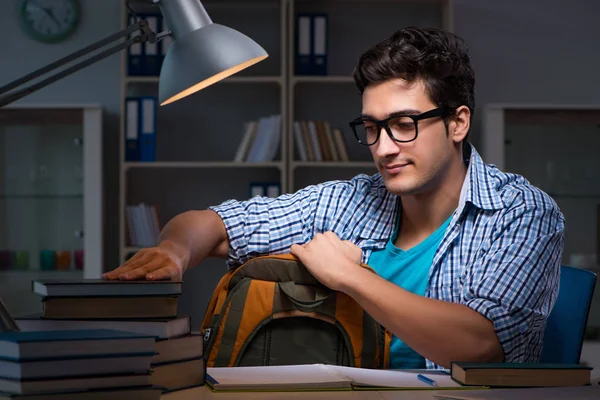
column 436, row 112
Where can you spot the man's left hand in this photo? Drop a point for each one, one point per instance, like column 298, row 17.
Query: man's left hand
column 330, row 259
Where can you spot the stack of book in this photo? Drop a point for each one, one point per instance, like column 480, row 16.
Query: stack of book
column 76, row 364
column 143, row 307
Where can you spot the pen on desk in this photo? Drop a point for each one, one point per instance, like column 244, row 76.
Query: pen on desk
column 427, row 380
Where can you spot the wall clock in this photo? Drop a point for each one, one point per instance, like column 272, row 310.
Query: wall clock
column 49, row 21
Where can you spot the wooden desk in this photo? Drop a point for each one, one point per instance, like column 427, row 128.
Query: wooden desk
column 206, row 394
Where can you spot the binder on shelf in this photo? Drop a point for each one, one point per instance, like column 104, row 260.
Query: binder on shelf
column 152, row 57
column 303, row 44
column 268, row 189
column 311, row 44
column 146, row 59
column 256, row 189
column 148, row 128
column 132, row 123
column 319, row 30
column 134, row 55
column 273, row 189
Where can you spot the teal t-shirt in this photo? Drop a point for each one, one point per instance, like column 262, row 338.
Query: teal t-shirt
column 409, row 270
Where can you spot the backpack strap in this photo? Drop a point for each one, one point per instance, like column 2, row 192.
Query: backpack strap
column 212, row 308
column 235, row 313
column 241, row 324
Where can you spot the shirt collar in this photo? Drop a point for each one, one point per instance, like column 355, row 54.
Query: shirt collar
column 479, row 187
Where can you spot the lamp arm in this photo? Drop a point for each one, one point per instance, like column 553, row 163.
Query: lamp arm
column 146, row 35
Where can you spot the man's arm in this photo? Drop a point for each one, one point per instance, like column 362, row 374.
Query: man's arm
column 440, row 331
column 185, row 241
column 507, row 295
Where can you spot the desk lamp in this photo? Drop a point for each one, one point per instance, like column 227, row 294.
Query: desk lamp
column 201, row 53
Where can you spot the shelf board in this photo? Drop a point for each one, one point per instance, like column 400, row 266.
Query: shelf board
column 231, row 79
column 322, row 79
column 32, row 274
column 332, row 164
column 41, row 196
column 202, row 164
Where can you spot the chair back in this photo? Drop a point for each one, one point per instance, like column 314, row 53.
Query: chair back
column 565, row 327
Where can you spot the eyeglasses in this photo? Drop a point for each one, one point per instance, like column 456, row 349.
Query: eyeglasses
column 401, row 128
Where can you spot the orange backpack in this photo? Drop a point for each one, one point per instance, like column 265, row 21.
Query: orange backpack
column 272, row 311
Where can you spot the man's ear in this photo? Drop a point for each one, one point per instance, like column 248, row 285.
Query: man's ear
column 460, row 123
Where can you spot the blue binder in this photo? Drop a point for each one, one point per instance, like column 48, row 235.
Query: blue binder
column 132, row 129
column 319, row 44
column 135, row 55
column 148, row 128
column 303, row 44
column 311, row 44
column 152, row 55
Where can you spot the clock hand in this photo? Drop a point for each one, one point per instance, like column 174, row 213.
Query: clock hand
column 49, row 12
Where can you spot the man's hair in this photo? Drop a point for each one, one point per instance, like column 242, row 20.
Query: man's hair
column 437, row 57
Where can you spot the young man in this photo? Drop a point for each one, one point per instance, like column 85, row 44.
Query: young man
column 467, row 256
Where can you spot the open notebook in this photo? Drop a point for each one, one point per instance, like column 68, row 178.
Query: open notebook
column 325, row 377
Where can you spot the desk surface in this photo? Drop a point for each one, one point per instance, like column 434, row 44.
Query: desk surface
column 588, row 393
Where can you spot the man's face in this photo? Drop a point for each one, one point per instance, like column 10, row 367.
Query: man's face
column 413, row 167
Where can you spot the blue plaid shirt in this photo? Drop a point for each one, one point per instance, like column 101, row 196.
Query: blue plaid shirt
column 500, row 255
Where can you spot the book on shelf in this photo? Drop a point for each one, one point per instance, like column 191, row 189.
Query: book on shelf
column 319, row 141
column 311, row 377
column 520, row 374
column 260, row 141
column 143, row 224
column 250, row 129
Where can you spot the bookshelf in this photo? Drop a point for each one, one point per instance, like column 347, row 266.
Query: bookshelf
column 198, row 136
column 205, row 129
column 333, row 97
column 51, row 198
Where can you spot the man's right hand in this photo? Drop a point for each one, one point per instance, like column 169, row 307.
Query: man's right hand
column 167, row 261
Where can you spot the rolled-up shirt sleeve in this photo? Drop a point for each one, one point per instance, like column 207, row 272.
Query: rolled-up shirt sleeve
column 263, row 225
column 514, row 282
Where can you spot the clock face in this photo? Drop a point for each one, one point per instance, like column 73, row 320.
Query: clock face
column 49, row 20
